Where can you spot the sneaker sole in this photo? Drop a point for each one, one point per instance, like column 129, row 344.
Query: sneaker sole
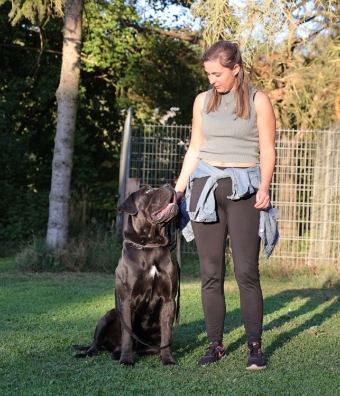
column 254, row 367
column 205, row 364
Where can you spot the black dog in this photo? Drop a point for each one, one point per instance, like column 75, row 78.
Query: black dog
column 146, row 282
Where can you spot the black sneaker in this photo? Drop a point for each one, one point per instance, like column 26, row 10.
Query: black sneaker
column 215, row 352
column 255, row 357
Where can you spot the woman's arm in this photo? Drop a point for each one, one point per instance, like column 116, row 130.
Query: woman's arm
column 190, row 159
column 266, row 124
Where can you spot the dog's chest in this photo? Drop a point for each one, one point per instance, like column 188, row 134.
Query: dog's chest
column 154, row 284
column 153, row 272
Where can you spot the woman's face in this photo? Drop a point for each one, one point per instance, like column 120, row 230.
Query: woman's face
column 222, row 78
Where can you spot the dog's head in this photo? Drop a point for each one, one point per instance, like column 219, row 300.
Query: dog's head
column 150, row 209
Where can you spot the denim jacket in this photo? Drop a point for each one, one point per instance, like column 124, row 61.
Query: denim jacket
column 244, row 182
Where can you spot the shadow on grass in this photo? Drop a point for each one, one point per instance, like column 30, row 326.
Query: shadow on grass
column 318, row 305
column 314, row 320
column 315, row 299
column 187, row 340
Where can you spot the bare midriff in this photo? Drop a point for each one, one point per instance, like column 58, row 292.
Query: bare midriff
column 229, row 164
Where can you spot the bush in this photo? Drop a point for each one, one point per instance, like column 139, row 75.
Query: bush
column 92, row 250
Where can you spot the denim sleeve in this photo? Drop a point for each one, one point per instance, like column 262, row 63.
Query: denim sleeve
column 268, row 230
column 184, row 223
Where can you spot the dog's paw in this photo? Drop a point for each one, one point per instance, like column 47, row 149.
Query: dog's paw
column 168, row 360
column 115, row 354
column 126, row 357
column 126, row 360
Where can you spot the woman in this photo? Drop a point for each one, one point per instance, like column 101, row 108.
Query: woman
column 233, row 130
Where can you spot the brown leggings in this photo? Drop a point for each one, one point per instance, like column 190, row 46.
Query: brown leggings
column 241, row 220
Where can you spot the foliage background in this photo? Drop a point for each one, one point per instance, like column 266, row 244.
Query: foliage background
column 134, row 58
column 121, row 68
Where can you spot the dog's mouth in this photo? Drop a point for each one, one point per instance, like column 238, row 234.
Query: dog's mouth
column 160, row 215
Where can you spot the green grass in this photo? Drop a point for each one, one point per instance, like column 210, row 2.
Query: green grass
column 42, row 315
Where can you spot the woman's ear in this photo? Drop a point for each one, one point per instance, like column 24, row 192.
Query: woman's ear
column 236, row 69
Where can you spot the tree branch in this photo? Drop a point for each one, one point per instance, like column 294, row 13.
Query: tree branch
column 16, row 46
column 179, row 34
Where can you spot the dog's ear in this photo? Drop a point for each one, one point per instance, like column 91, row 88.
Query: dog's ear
column 129, row 206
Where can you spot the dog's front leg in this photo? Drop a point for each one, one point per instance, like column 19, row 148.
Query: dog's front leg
column 126, row 356
column 166, row 321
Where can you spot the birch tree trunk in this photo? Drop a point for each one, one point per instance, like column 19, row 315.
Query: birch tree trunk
column 67, row 99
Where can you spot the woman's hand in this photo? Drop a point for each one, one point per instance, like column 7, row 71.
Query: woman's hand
column 262, row 199
column 179, row 195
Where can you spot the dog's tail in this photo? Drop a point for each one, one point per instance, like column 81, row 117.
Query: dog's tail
column 81, row 348
column 90, row 351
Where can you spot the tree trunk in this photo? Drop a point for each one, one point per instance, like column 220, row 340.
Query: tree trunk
column 67, row 99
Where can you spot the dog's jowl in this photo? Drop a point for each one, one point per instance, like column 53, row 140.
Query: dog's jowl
column 146, row 282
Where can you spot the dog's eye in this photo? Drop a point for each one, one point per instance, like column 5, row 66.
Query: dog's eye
column 149, row 191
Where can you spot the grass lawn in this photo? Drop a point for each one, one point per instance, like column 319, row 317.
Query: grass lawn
column 42, row 315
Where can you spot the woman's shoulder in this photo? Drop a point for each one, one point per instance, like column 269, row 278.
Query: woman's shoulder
column 262, row 103
column 201, row 96
column 253, row 90
column 200, row 99
column 260, row 97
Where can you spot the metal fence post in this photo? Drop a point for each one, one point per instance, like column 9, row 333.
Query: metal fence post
column 124, row 168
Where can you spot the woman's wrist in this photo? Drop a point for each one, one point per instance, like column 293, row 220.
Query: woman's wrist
column 179, row 196
column 266, row 188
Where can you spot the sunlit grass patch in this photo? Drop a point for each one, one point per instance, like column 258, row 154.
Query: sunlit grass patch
column 43, row 315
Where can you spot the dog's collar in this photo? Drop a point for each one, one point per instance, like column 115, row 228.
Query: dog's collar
column 149, row 245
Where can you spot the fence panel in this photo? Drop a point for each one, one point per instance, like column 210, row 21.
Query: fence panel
column 305, row 188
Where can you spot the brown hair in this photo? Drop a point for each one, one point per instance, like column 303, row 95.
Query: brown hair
column 228, row 54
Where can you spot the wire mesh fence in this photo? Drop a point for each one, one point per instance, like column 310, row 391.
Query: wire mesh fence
column 305, row 187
